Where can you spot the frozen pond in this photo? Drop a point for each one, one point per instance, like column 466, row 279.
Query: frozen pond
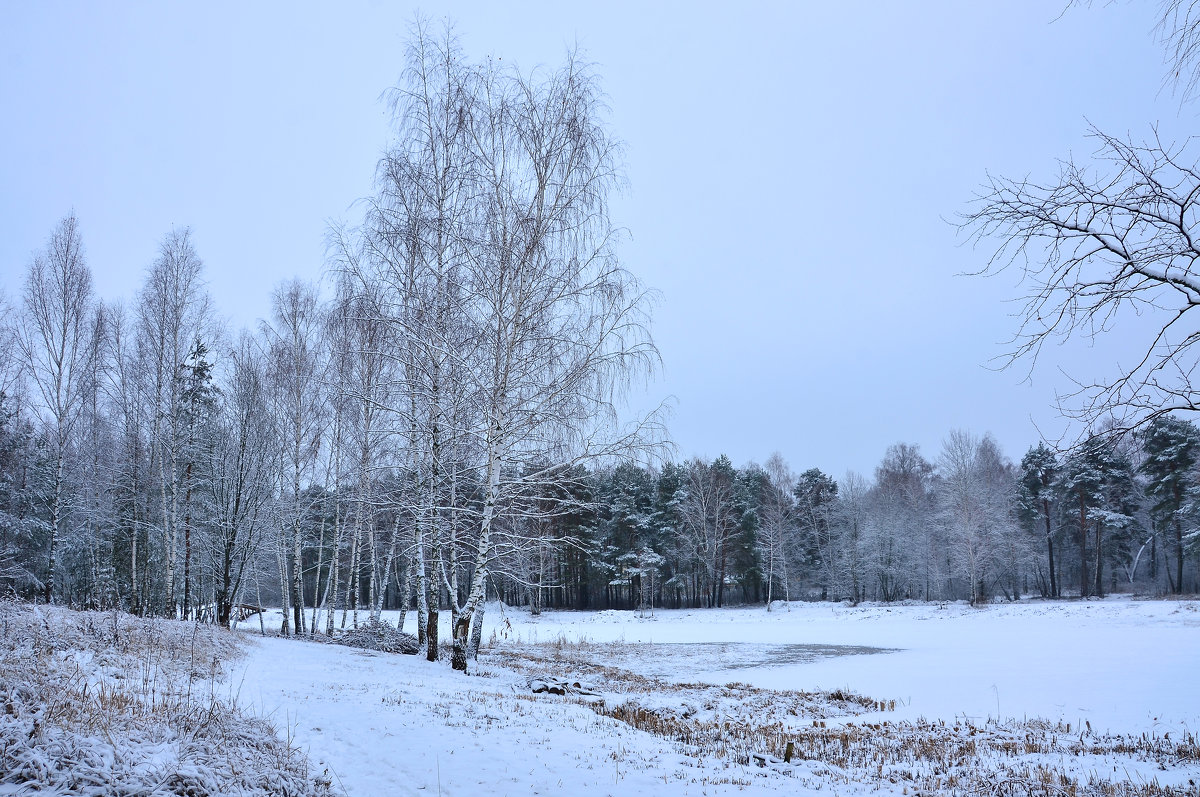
column 718, row 662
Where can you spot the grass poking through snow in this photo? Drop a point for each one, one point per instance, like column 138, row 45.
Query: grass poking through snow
column 104, row 703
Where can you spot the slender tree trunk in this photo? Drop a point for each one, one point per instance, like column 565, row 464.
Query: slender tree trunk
column 363, row 519
column 55, row 522
column 1154, row 558
column 187, row 542
column 431, row 620
column 422, row 588
column 173, row 541
column 352, row 577
column 1178, row 555
column 405, row 592
column 1083, row 568
column 335, row 559
column 284, row 585
column 317, row 599
column 297, row 585
column 387, row 568
column 1099, row 587
column 1050, row 548
column 462, row 629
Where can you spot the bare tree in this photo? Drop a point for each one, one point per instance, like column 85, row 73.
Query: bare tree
column 296, row 373
column 777, row 518
column 852, row 519
column 506, row 326
column 55, row 342
column 563, row 325
column 243, row 472
column 710, row 522
column 172, row 314
column 1095, row 246
column 1105, row 240
column 975, row 504
column 1178, row 31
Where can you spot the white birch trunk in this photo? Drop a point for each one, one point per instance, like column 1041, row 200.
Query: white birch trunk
column 462, row 629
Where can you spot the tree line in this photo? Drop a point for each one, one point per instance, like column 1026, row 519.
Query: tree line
column 1106, row 516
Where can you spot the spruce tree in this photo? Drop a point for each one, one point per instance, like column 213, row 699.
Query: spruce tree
column 1172, row 447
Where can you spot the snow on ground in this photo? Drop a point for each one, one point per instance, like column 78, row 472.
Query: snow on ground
column 386, row 724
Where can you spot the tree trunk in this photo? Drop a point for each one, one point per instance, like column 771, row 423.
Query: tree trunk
column 55, row 521
column 1154, row 559
column 187, row 542
column 431, row 627
column 422, row 590
column 1083, row 568
column 312, row 622
column 1178, row 556
column 405, row 591
column 477, row 631
column 284, row 586
column 297, row 585
column 1050, row 548
column 462, row 628
column 331, row 586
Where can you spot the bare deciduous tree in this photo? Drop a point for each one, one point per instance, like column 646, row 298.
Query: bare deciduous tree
column 243, row 471
column 1095, row 245
column 55, row 341
column 1108, row 239
column 296, row 374
column 1178, row 31
column 172, row 314
column 776, row 524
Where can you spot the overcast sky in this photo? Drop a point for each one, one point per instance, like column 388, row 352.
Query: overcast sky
column 794, row 170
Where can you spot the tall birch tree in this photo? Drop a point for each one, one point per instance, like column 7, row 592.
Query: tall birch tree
column 55, row 340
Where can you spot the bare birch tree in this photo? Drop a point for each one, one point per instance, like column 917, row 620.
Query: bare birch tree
column 241, row 475
column 563, row 326
column 296, row 373
column 512, row 326
column 172, row 313
column 777, row 524
column 55, row 341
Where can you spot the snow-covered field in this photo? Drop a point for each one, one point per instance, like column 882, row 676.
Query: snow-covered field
column 387, row 724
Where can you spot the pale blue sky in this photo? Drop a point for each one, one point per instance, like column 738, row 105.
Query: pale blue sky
column 791, row 168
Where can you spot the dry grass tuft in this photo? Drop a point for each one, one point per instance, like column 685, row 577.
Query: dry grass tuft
column 104, row 703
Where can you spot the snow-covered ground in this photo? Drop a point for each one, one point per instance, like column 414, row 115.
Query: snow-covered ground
column 386, row 724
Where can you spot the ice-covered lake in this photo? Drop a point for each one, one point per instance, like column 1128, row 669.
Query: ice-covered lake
column 719, row 662
column 1122, row 664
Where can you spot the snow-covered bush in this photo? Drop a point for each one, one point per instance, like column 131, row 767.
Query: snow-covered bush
column 98, row 704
